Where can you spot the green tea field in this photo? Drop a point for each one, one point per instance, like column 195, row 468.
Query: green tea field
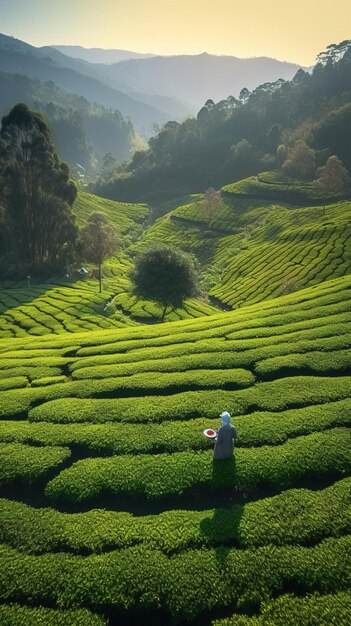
column 260, row 245
column 72, row 303
column 112, row 510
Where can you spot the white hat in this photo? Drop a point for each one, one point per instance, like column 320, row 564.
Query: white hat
column 225, row 414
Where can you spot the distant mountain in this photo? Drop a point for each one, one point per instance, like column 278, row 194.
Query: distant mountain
column 83, row 132
column 195, row 79
column 76, row 76
column 100, row 55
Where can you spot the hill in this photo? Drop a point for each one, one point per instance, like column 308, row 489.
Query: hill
column 111, row 504
column 100, row 55
column 61, row 304
column 83, row 132
column 193, row 79
column 75, row 76
column 238, row 137
column 260, row 244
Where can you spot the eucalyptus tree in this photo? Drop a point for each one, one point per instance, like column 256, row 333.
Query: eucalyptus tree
column 36, row 193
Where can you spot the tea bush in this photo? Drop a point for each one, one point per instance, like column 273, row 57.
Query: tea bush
column 27, row 463
column 311, row 456
column 297, row 516
column 313, row 610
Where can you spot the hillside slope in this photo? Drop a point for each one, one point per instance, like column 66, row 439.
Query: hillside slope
column 111, row 503
column 76, row 76
column 71, row 303
column 260, row 245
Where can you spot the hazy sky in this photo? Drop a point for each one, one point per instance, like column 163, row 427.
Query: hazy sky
column 294, row 31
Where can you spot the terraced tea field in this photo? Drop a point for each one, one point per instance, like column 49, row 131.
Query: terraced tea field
column 260, row 245
column 72, row 304
column 112, row 510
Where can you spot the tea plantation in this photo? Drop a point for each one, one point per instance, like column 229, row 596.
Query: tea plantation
column 70, row 303
column 112, row 510
column 271, row 236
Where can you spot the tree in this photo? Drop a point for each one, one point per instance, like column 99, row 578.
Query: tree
column 333, row 177
column 211, row 204
column 35, row 190
column 300, row 161
column 165, row 275
column 98, row 241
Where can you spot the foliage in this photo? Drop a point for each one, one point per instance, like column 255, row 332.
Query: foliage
column 98, row 241
column 37, row 194
column 120, row 412
column 211, row 204
column 333, row 177
column 186, row 585
column 161, row 476
column 294, row 517
column 165, row 275
column 15, row 614
column 300, row 161
column 233, row 139
column 26, row 463
column 313, row 610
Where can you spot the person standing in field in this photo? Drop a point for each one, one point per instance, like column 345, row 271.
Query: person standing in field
column 224, row 443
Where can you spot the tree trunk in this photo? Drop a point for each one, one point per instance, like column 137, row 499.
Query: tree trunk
column 164, row 313
column 100, row 279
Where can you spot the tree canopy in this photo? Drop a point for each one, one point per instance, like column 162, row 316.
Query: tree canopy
column 36, row 193
column 235, row 138
column 333, row 177
column 166, row 276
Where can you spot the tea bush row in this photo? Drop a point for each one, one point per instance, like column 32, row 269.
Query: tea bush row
column 288, row 610
column 319, row 454
column 173, row 436
column 26, row 463
column 315, row 302
column 17, row 615
column 185, row 585
column 278, row 395
column 14, row 382
column 296, row 516
column 225, row 349
column 234, row 355
column 310, row 362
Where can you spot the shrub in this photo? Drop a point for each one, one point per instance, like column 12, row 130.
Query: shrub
column 17, row 615
column 314, row 610
column 27, row 463
column 319, row 454
column 297, row 516
column 185, row 585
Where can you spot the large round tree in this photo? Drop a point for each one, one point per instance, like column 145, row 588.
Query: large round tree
column 36, row 193
column 166, row 276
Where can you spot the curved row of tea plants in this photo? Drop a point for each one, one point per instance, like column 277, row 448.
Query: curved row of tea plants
column 297, row 516
column 313, row 610
column 124, row 410
column 185, row 585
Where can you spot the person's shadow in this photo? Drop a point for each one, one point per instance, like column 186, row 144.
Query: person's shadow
column 224, row 476
column 222, row 530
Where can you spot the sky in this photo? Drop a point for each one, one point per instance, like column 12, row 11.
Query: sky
column 293, row 31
